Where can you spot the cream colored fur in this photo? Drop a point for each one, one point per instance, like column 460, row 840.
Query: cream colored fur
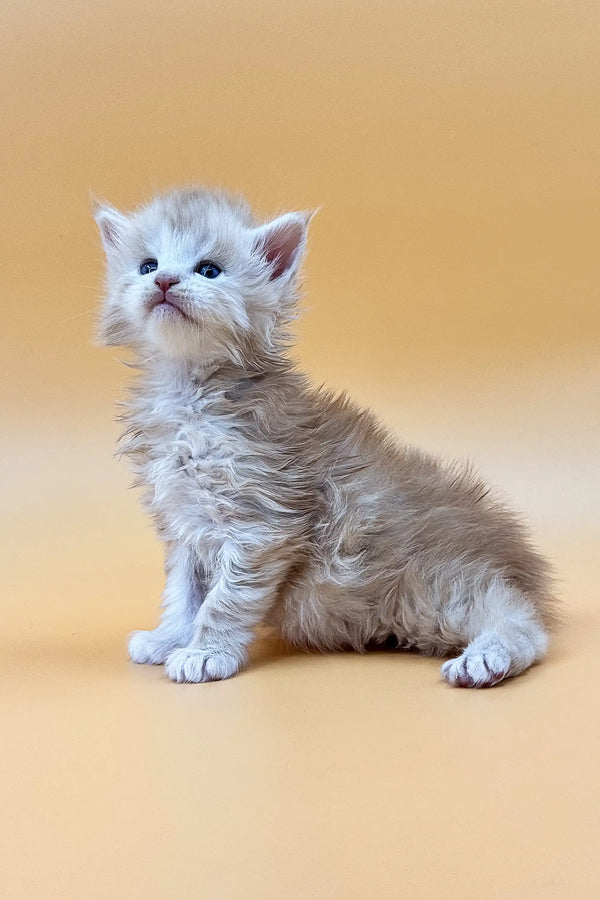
column 282, row 504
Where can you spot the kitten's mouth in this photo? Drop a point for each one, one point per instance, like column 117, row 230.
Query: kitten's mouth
column 166, row 305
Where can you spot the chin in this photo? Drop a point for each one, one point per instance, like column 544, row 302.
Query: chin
column 175, row 339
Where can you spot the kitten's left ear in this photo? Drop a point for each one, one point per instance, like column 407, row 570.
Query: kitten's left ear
column 112, row 225
column 282, row 241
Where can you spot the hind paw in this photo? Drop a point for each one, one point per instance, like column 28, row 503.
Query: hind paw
column 481, row 666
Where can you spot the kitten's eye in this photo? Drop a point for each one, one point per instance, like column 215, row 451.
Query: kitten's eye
column 149, row 265
column 208, row 270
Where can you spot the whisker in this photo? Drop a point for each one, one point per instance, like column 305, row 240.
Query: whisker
column 78, row 315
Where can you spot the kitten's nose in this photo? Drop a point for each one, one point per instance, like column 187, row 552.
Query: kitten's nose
column 164, row 282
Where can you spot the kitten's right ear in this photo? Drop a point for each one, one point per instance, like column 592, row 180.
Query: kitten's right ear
column 282, row 242
column 112, row 225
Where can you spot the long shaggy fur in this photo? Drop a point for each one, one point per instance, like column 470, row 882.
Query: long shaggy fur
column 283, row 504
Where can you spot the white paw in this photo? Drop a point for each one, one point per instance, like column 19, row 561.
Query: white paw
column 478, row 666
column 148, row 647
column 193, row 665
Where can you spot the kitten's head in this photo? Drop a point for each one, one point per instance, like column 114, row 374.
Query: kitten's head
column 192, row 276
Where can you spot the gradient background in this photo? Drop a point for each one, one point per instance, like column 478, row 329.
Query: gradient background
column 452, row 285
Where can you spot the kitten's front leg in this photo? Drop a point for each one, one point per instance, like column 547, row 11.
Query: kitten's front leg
column 242, row 593
column 182, row 597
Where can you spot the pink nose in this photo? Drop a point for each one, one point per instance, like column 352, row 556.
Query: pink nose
column 164, row 282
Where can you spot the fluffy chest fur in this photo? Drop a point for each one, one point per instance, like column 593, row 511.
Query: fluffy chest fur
column 189, row 455
column 221, row 459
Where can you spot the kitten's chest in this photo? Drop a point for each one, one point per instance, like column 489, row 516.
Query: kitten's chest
column 191, row 471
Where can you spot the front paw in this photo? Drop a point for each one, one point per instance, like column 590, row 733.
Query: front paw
column 189, row 664
column 149, row 647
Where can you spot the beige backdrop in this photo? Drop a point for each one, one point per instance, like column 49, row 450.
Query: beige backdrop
column 452, row 284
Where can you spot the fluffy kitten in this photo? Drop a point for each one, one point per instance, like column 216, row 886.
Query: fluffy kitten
column 279, row 503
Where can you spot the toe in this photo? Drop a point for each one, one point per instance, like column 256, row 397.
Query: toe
column 145, row 648
column 483, row 667
column 195, row 666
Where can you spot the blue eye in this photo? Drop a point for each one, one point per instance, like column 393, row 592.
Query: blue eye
column 208, row 269
column 149, row 265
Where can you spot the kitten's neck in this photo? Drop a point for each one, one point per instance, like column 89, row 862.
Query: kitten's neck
column 183, row 372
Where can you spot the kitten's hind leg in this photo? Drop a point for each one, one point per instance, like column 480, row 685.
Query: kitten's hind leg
column 503, row 637
column 182, row 598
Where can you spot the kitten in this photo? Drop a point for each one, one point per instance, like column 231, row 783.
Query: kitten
column 282, row 504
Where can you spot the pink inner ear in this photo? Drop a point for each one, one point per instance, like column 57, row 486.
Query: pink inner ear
column 111, row 232
column 112, row 226
column 280, row 246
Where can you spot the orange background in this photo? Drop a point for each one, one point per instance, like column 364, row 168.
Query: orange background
column 452, row 284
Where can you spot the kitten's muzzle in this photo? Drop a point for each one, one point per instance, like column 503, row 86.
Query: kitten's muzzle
column 165, row 299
